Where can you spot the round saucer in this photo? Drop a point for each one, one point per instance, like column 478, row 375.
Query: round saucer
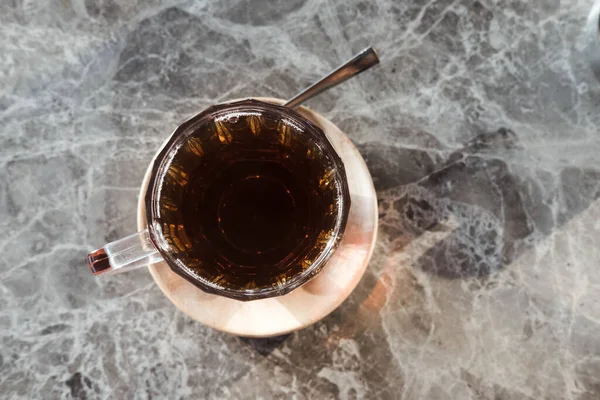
column 310, row 302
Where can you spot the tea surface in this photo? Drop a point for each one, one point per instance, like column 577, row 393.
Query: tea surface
column 248, row 202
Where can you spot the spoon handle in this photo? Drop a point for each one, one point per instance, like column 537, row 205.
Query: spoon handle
column 360, row 62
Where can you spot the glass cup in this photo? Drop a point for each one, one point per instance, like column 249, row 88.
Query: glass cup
column 246, row 200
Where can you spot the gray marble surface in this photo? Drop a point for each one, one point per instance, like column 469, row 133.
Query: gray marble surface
column 481, row 130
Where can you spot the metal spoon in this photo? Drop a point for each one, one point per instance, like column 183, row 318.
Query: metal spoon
column 359, row 63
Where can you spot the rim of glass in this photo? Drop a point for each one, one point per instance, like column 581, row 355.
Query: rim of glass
column 168, row 152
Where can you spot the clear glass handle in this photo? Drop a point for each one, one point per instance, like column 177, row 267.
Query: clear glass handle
column 131, row 252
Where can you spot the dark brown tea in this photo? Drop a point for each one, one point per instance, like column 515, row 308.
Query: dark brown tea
column 248, row 199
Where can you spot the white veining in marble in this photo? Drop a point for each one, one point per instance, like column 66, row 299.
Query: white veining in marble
column 481, row 130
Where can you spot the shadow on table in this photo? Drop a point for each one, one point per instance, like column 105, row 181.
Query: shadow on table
column 469, row 214
column 264, row 346
column 461, row 214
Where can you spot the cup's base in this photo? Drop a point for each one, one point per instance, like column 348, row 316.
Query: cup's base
column 310, row 302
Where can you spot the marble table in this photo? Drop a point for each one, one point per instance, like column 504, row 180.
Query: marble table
column 481, row 130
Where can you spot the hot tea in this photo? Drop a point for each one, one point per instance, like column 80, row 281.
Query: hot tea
column 248, row 200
